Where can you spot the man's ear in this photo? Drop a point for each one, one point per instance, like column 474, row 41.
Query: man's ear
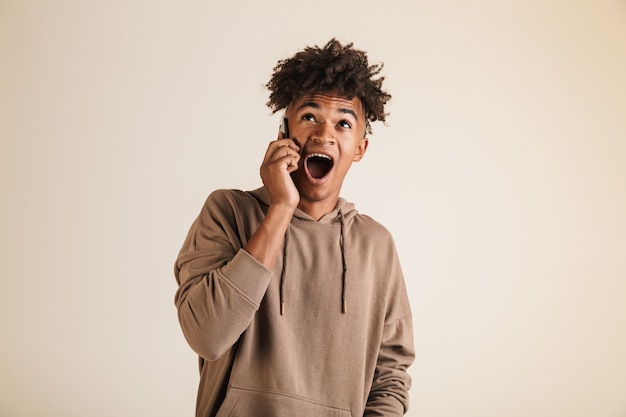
column 360, row 150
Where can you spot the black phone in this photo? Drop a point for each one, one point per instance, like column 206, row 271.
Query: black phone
column 284, row 128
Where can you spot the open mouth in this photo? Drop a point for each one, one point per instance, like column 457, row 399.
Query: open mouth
column 318, row 165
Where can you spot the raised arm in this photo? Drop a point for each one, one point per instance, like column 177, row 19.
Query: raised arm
column 281, row 159
column 223, row 276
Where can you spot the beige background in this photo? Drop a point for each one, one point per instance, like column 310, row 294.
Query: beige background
column 501, row 173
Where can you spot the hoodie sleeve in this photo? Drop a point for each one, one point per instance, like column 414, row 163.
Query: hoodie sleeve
column 389, row 394
column 220, row 285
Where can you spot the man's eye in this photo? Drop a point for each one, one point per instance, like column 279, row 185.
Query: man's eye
column 308, row 117
column 345, row 124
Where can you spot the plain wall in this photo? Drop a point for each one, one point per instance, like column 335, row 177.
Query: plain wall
column 501, row 173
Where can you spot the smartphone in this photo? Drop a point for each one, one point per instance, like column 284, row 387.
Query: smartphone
column 284, row 128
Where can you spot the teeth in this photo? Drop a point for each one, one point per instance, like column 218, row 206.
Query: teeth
column 320, row 155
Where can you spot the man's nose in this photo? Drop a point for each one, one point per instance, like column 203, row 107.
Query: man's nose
column 324, row 133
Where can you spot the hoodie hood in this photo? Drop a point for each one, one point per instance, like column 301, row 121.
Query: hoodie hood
column 343, row 213
column 344, row 207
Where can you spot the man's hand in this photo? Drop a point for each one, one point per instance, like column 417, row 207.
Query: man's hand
column 281, row 159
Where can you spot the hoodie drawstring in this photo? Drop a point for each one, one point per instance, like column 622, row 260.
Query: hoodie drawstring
column 344, row 303
column 344, row 266
column 282, row 277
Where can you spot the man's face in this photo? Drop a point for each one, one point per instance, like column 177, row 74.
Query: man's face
column 330, row 131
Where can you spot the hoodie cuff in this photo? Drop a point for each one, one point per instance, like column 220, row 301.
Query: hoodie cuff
column 248, row 275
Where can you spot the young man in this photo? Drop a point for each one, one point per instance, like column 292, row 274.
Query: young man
column 294, row 301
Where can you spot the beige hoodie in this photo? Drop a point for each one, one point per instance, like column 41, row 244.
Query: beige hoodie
column 318, row 358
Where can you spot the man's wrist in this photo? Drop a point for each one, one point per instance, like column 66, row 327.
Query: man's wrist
column 281, row 210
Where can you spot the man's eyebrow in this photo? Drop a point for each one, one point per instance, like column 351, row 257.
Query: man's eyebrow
column 308, row 104
column 317, row 106
column 349, row 111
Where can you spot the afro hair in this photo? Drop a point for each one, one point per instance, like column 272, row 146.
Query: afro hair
column 335, row 68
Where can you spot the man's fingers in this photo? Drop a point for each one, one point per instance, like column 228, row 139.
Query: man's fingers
column 282, row 148
column 288, row 143
column 290, row 158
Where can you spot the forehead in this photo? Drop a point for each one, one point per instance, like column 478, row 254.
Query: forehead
column 330, row 102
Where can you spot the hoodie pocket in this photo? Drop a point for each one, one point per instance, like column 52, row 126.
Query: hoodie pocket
column 246, row 402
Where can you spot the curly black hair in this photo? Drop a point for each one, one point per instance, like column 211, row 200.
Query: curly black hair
column 335, row 68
